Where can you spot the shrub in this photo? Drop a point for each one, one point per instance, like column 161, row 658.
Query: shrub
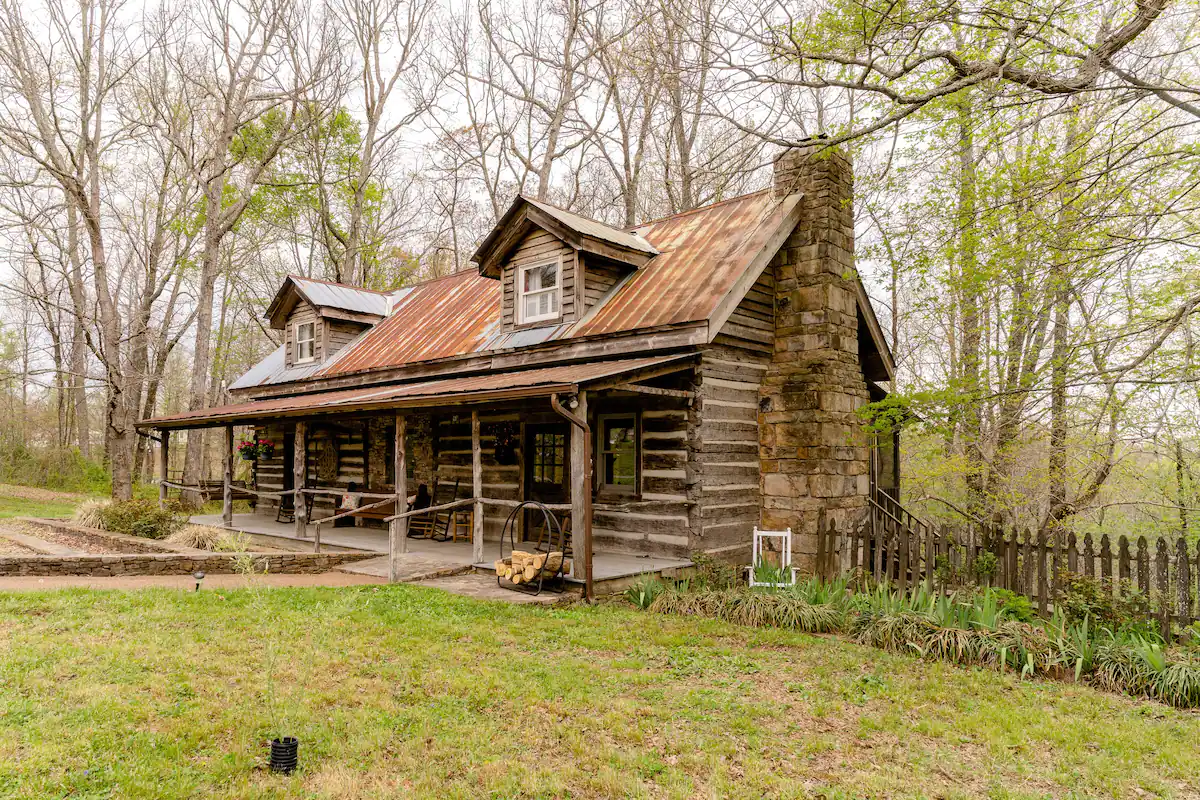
column 643, row 593
column 139, row 517
column 1015, row 606
column 712, row 573
column 1082, row 598
column 751, row 607
column 201, row 537
column 89, row 513
column 53, row 468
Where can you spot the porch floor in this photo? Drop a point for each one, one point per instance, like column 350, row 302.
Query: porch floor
column 425, row 556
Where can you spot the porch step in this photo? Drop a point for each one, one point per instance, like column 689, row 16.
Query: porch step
column 413, row 568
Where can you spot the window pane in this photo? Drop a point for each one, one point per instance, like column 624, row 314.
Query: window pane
column 620, row 452
column 541, row 277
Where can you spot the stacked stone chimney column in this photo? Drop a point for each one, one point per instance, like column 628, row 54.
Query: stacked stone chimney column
column 812, row 447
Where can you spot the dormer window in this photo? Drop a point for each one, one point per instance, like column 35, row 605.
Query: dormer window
column 540, row 289
column 306, row 340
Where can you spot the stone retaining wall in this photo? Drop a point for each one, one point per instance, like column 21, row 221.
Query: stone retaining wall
column 120, row 542
column 171, row 563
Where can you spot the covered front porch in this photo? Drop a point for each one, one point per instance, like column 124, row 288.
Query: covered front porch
column 477, row 449
column 424, row 556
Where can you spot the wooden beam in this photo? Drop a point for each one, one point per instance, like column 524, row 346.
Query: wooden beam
column 654, row 390
column 164, row 460
column 581, row 491
column 299, row 470
column 398, row 528
column 476, row 491
column 227, row 487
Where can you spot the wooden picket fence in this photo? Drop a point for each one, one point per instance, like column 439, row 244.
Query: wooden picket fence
column 892, row 545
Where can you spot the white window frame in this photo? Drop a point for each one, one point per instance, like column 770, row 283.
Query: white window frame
column 313, row 340
column 521, row 294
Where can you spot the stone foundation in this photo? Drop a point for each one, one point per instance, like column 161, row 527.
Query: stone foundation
column 813, row 451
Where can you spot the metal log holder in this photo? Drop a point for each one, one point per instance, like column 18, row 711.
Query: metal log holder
column 553, row 582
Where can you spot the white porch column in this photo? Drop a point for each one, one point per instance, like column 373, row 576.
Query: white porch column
column 477, row 491
column 581, row 493
column 299, row 470
column 398, row 528
column 227, row 495
column 164, row 460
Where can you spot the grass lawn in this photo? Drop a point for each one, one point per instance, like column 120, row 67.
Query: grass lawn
column 27, row 501
column 405, row 691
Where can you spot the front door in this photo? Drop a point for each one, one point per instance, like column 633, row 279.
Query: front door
column 547, row 471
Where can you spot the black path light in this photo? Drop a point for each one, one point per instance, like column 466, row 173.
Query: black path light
column 199, row 576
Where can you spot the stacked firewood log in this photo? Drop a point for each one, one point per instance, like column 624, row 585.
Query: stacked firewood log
column 524, row 567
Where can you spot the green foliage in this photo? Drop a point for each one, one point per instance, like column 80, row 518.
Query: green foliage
column 1015, row 606
column 140, row 517
column 713, row 573
column 752, row 607
column 772, row 574
column 643, row 593
column 1083, row 598
column 53, row 468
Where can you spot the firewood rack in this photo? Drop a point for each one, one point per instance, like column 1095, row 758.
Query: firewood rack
column 556, row 540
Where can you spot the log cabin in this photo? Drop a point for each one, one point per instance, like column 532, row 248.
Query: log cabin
column 663, row 388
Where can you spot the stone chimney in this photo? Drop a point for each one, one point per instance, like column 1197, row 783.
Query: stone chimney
column 812, row 448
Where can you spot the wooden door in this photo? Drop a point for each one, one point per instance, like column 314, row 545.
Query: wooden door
column 547, row 470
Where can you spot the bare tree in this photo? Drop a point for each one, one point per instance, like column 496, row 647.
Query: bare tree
column 58, row 87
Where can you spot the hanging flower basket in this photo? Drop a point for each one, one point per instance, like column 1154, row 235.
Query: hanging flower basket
column 254, row 449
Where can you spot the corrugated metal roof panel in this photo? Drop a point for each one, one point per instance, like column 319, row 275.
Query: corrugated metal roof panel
column 597, row 230
column 702, row 253
column 347, row 298
column 477, row 388
column 440, row 318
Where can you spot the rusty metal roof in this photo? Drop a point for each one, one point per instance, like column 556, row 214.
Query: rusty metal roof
column 439, row 318
column 701, row 254
column 479, row 388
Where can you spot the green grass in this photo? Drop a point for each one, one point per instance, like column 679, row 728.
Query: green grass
column 22, row 501
column 406, row 691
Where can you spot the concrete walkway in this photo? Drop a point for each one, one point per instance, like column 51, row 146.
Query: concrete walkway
column 185, row 582
column 482, row 586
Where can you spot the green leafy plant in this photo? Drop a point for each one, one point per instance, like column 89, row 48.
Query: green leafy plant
column 643, row 593
column 712, row 573
column 1082, row 597
column 773, row 575
column 141, row 517
column 1015, row 606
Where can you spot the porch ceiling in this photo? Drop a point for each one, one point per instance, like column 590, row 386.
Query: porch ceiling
column 564, row 379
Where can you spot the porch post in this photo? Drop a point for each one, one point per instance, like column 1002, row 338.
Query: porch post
column 581, row 495
column 164, row 438
column 299, row 470
column 227, row 495
column 398, row 528
column 476, row 491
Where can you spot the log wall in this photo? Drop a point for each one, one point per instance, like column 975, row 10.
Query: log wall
column 538, row 247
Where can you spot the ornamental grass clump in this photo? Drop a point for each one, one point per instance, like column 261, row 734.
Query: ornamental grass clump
column 751, row 607
column 89, row 514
